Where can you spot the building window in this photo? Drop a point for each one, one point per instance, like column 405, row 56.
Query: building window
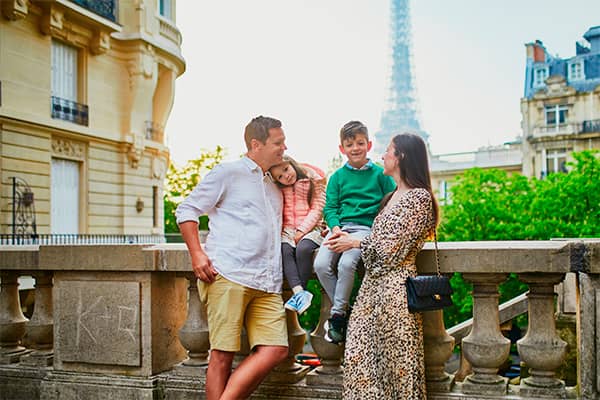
column 556, row 115
column 556, row 161
column 575, row 71
column 164, row 8
column 64, row 192
column 540, row 74
column 65, row 84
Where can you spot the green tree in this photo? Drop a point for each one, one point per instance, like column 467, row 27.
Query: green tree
column 493, row 205
column 181, row 181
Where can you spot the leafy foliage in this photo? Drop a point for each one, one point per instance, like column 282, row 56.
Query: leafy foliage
column 181, row 181
column 493, row 205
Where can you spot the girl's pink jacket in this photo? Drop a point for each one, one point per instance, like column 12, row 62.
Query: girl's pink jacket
column 297, row 213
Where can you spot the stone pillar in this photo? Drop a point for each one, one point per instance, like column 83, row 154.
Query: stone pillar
column 12, row 320
column 438, row 349
column 39, row 330
column 485, row 347
column 330, row 371
column 193, row 335
column 289, row 371
column 542, row 350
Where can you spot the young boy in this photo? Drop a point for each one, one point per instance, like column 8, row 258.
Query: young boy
column 353, row 195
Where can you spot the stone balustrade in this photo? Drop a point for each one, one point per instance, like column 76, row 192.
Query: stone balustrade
column 125, row 321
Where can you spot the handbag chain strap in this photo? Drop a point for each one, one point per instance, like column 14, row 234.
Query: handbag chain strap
column 437, row 256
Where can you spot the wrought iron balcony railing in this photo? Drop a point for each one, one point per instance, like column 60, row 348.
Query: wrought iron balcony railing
column 590, row 126
column 69, row 110
column 69, row 239
column 105, row 8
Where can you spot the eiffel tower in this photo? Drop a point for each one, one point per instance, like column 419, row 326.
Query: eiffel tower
column 401, row 112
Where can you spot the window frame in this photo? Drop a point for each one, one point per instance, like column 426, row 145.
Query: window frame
column 558, row 157
column 581, row 73
column 538, row 68
column 165, row 9
column 556, row 111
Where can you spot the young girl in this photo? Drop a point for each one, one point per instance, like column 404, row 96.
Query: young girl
column 303, row 188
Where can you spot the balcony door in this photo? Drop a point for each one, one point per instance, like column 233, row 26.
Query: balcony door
column 65, row 196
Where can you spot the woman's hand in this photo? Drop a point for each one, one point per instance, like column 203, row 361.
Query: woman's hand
column 341, row 242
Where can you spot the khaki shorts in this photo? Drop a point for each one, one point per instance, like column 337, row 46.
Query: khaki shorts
column 230, row 306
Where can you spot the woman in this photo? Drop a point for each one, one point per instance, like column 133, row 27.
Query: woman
column 384, row 349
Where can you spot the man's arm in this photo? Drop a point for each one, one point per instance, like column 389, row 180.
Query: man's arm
column 201, row 264
column 203, row 198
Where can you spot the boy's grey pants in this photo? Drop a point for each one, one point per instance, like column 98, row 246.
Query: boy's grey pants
column 336, row 271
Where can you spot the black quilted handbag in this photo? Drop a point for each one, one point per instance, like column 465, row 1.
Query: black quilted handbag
column 429, row 292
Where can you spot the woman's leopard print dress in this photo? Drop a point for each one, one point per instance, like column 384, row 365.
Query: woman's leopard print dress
column 384, row 348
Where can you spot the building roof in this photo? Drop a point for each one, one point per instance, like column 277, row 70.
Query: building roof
column 590, row 56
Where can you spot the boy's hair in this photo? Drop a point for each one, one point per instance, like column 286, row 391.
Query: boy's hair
column 258, row 129
column 351, row 129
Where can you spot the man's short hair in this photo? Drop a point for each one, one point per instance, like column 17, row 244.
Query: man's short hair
column 258, row 129
column 351, row 129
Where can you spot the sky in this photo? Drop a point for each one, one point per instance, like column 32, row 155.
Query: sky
column 316, row 64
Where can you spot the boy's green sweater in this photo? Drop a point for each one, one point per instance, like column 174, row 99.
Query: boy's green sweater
column 354, row 195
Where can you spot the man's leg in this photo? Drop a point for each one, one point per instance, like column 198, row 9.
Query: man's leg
column 251, row 372
column 217, row 375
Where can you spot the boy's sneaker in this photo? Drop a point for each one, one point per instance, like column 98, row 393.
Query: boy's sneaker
column 335, row 329
column 291, row 304
column 303, row 300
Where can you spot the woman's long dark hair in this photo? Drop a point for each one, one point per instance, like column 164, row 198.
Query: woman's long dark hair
column 411, row 152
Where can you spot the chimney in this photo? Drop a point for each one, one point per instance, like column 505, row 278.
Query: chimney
column 593, row 37
column 536, row 51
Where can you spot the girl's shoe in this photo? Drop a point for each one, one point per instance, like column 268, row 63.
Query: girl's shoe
column 291, row 304
column 303, row 300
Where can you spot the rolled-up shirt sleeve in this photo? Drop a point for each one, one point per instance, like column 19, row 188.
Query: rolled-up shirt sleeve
column 205, row 197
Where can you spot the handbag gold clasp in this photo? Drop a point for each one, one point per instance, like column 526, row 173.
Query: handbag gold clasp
column 437, row 297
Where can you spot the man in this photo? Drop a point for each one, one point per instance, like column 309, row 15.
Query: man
column 240, row 271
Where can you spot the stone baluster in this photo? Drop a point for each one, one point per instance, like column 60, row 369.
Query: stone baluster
column 542, row 350
column 485, row 347
column 438, row 349
column 39, row 329
column 193, row 335
column 12, row 320
column 329, row 373
column 289, row 371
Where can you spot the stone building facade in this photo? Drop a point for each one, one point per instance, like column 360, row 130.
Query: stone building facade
column 85, row 91
column 561, row 105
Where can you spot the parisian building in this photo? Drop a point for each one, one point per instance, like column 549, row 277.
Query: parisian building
column 86, row 88
column 561, row 105
column 560, row 112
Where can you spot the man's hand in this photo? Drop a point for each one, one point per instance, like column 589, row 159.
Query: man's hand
column 201, row 264
column 203, row 268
